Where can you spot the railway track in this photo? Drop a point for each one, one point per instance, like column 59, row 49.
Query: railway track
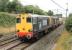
column 7, row 41
column 9, row 45
column 14, row 45
column 8, row 37
column 20, row 46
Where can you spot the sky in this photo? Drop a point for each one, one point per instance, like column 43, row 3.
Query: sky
column 49, row 5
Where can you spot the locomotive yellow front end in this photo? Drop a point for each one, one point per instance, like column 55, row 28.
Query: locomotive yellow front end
column 24, row 26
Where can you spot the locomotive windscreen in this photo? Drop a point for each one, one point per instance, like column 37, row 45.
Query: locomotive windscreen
column 28, row 19
column 18, row 20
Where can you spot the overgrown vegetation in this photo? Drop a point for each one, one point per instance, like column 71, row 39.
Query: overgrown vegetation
column 67, row 44
column 16, row 7
column 68, row 24
column 7, row 20
column 50, row 13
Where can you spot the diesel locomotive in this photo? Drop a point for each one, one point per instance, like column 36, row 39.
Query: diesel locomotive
column 30, row 26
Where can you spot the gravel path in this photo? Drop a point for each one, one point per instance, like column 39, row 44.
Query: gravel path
column 47, row 42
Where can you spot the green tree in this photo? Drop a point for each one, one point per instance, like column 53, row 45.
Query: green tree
column 70, row 14
column 3, row 5
column 38, row 11
column 19, row 8
column 68, row 23
column 29, row 9
column 33, row 9
column 14, row 6
column 50, row 13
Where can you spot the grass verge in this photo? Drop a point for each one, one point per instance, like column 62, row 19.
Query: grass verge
column 64, row 42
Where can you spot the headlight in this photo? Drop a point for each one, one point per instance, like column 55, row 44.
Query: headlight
column 28, row 36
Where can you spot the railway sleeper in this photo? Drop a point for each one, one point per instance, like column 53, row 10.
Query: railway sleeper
column 1, row 35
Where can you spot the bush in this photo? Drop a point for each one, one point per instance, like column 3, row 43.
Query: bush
column 6, row 20
column 68, row 24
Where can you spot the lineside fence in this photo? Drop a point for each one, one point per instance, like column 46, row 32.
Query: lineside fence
column 7, row 23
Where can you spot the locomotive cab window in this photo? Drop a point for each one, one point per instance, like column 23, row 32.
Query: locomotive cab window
column 18, row 20
column 28, row 19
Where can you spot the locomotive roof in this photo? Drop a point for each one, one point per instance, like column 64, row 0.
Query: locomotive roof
column 35, row 15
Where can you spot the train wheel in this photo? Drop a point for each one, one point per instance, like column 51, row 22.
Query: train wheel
column 39, row 35
column 46, row 32
column 49, row 29
column 37, row 38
